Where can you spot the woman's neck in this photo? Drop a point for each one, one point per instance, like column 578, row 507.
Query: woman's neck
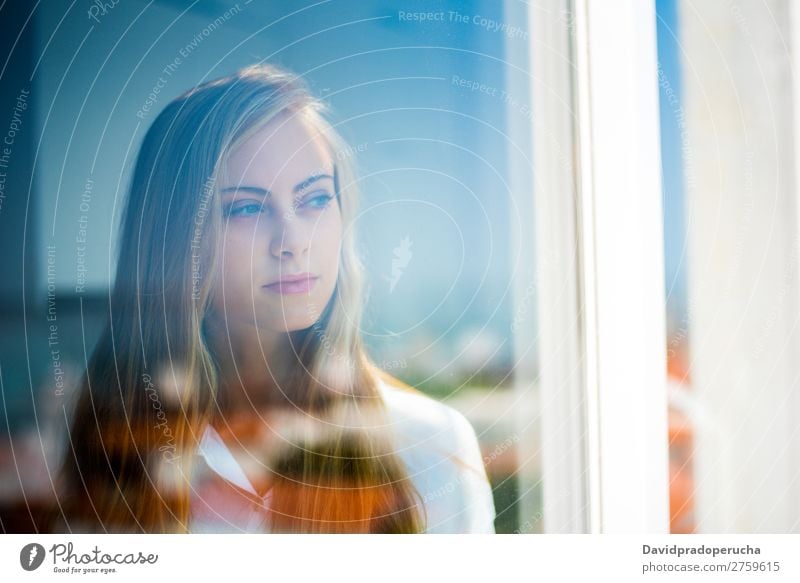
column 254, row 365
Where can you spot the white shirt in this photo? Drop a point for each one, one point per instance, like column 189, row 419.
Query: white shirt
column 437, row 444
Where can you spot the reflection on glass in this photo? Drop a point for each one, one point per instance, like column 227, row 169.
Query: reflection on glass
column 731, row 223
column 224, row 381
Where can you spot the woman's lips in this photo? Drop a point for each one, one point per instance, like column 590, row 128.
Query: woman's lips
column 300, row 286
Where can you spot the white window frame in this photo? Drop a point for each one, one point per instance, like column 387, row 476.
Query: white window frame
column 602, row 330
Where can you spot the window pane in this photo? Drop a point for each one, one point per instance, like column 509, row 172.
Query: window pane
column 730, row 200
column 435, row 105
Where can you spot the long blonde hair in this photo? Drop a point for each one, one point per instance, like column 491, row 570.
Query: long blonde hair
column 125, row 425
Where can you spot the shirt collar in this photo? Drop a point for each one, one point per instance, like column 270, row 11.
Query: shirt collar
column 220, row 459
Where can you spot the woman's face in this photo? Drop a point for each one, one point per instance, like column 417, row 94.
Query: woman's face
column 281, row 222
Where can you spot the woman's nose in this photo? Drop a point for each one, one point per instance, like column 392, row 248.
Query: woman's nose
column 289, row 239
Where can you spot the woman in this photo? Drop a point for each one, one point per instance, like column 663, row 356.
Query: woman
column 230, row 390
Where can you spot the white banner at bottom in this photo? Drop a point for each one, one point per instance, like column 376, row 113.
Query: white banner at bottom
column 390, row 558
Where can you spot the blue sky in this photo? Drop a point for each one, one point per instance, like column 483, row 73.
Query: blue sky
column 672, row 164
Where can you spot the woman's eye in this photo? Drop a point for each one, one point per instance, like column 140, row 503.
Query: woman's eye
column 245, row 210
column 318, row 202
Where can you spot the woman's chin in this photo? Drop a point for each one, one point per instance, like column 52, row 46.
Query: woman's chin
column 286, row 323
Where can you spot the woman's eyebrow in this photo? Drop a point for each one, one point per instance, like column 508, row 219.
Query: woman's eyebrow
column 264, row 192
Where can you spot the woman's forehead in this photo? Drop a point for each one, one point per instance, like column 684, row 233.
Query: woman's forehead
column 285, row 151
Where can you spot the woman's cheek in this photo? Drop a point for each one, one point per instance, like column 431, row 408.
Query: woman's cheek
column 237, row 265
column 333, row 231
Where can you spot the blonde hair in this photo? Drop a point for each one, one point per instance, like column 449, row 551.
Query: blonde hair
column 124, row 426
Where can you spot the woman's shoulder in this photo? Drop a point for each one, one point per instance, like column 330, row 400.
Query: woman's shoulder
column 440, row 449
column 420, row 420
column 432, row 435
